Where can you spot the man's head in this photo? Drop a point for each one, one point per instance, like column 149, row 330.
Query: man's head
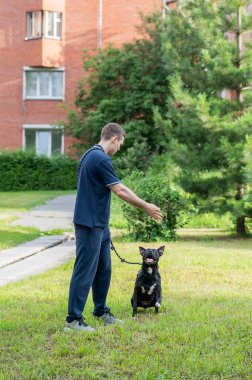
column 112, row 136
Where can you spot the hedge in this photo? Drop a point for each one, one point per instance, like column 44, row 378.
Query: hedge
column 24, row 170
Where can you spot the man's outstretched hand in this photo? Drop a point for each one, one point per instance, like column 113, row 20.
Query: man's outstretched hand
column 154, row 211
column 130, row 197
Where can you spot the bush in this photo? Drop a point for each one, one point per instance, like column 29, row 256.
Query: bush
column 24, row 170
column 175, row 206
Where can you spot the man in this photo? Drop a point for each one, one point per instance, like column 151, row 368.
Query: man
column 92, row 268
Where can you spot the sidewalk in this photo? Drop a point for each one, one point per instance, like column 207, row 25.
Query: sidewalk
column 55, row 213
column 45, row 252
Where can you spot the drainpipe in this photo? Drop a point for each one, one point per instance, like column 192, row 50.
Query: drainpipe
column 100, row 25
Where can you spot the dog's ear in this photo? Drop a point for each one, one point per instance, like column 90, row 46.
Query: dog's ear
column 161, row 250
column 141, row 249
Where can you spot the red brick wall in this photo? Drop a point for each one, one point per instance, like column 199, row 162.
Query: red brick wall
column 80, row 31
column 120, row 19
column 12, row 53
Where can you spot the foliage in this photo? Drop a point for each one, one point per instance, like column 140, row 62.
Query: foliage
column 207, row 133
column 210, row 153
column 167, row 90
column 24, row 170
column 199, row 43
column 248, row 166
column 174, row 205
column 123, row 85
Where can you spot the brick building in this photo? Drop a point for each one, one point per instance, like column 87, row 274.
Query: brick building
column 41, row 44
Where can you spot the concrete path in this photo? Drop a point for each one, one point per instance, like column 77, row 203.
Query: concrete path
column 30, row 248
column 37, row 263
column 45, row 252
column 55, row 213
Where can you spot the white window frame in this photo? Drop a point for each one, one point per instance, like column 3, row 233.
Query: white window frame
column 32, row 37
column 38, row 96
column 39, row 128
column 57, row 18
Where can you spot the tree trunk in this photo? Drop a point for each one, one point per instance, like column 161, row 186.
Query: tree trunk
column 241, row 226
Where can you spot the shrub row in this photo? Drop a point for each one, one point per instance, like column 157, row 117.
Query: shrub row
column 24, row 170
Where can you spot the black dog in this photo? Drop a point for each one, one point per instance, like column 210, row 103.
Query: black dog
column 148, row 292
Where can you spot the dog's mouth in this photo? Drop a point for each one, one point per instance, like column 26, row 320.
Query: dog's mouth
column 149, row 260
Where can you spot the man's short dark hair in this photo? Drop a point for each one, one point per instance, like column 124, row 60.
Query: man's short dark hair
column 112, row 129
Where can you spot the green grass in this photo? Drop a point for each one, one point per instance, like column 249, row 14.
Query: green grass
column 12, row 202
column 204, row 329
column 25, row 200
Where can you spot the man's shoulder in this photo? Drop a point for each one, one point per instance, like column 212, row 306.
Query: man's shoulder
column 98, row 160
column 96, row 154
column 100, row 156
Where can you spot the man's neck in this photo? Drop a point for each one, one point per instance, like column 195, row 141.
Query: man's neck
column 104, row 145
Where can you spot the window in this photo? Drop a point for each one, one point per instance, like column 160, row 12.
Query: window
column 42, row 83
column 34, row 24
column 167, row 5
column 44, row 139
column 53, row 24
column 43, row 24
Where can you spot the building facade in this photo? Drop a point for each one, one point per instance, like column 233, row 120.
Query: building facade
column 41, row 47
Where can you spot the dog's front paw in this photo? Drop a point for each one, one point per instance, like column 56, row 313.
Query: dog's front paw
column 157, row 304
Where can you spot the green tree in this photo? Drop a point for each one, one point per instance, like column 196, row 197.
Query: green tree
column 123, row 85
column 165, row 88
column 208, row 133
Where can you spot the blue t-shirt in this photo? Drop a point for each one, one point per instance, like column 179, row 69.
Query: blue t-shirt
column 96, row 173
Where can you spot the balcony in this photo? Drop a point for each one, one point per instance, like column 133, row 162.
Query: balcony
column 44, row 36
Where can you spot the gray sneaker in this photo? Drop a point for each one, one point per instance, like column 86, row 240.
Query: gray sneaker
column 78, row 325
column 110, row 319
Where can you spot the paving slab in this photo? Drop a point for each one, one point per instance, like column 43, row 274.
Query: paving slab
column 56, row 213
column 30, row 248
column 38, row 263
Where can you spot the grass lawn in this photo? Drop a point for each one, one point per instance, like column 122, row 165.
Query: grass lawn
column 204, row 329
column 11, row 202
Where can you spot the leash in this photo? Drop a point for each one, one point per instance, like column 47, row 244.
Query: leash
column 122, row 260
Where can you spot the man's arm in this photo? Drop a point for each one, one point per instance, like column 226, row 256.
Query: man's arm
column 130, row 197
